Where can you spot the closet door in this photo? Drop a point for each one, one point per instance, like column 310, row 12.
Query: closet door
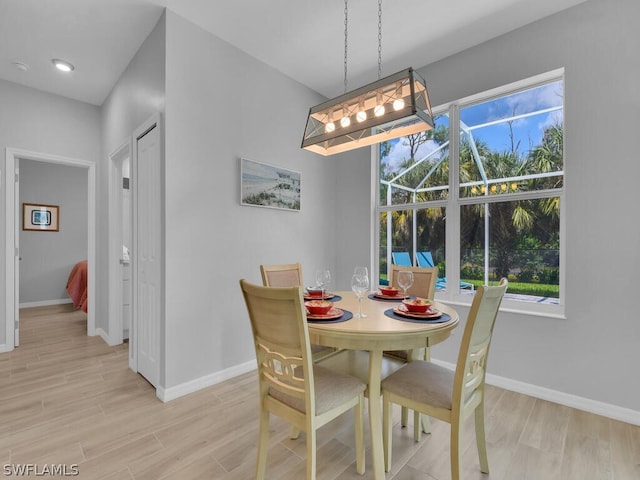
column 147, row 253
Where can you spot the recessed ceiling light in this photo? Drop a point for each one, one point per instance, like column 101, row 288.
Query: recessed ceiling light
column 20, row 65
column 62, row 65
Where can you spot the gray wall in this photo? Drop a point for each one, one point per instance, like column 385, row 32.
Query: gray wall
column 138, row 94
column 48, row 257
column 44, row 123
column 221, row 105
column 216, row 103
column 587, row 354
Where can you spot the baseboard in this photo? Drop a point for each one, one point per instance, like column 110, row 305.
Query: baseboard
column 46, row 303
column 103, row 335
column 592, row 406
column 171, row 393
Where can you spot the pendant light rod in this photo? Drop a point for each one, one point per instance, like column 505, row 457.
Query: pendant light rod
column 346, row 43
column 379, row 39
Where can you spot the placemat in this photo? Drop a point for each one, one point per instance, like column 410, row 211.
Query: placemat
column 391, row 314
column 335, row 298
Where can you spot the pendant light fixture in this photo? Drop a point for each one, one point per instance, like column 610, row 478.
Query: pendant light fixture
column 391, row 107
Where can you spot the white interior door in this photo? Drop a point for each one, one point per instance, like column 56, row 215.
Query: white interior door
column 147, row 251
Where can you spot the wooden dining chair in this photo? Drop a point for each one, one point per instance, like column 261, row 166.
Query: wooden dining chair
column 290, row 275
column 448, row 395
column 291, row 385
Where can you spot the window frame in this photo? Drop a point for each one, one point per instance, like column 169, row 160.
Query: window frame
column 454, row 202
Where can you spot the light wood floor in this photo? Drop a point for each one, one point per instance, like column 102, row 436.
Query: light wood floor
column 66, row 398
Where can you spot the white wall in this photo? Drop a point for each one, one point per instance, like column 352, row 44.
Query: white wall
column 46, row 258
column 221, row 105
column 138, row 94
column 592, row 352
column 44, row 123
column 352, row 222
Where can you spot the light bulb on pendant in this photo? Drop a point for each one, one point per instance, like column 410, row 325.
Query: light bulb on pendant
column 378, row 111
column 345, row 121
column 398, row 103
column 330, row 126
column 361, row 116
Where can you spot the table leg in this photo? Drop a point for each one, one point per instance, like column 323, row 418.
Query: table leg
column 375, row 414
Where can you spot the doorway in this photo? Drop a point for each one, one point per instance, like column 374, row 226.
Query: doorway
column 135, row 247
column 12, row 222
column 120, row 243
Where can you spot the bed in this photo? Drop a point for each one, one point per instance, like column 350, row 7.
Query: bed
column 77, row 285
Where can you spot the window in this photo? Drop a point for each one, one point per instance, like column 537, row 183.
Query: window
column 501, row 152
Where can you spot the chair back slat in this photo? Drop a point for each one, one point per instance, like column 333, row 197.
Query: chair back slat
column 475, row 370
column 287, row 275
column 282, row 372
column 476, row 340
column 281, row 338
column 424, row 280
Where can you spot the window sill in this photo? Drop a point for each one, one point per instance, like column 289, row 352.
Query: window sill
column 533, row 309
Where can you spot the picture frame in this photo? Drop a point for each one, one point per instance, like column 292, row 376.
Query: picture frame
column 264, row 185
column 40, row 218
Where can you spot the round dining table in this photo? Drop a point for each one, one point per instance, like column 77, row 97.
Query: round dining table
column 381, row 330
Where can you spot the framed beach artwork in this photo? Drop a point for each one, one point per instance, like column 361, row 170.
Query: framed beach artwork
column 263, row 185
column 41, row 218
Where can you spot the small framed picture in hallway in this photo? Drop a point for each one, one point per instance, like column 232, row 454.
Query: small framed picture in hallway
column 42, row 218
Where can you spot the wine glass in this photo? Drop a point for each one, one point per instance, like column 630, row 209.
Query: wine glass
column 361, row 271
column 405, row 280
column 360, row 286
column 323, row 279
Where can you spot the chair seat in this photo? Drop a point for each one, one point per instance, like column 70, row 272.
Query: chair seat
column 332, row 389
column 435, row 385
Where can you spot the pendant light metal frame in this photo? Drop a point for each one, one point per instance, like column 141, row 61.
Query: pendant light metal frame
column 415, row 117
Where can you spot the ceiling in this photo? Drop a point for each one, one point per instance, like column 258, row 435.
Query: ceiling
column 304, row 39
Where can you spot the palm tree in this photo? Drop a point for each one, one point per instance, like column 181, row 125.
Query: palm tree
column 514, row 224
column 511, row 221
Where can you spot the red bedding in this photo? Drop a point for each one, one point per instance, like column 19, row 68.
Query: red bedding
column 77, row 285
